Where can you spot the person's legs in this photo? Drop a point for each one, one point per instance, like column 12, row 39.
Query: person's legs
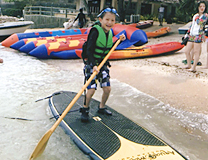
column 89, row 93
column 197, row 53
column 160, row 17
column 88, row 96
column 101, row 108
column 192, row 55
column 106, row 93
column 105, row 85
column 206, row 67
column 85, row 109
column 161, row 20
column 188, row 49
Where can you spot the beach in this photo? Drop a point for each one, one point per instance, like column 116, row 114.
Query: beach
column 154, row 92
column 163, row 76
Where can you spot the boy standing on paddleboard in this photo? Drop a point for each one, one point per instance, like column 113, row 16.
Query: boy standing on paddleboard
column 99, row 43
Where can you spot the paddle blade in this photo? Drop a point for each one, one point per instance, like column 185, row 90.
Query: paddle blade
column 41, row 145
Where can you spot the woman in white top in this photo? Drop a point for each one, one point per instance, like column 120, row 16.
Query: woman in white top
column 196, row 36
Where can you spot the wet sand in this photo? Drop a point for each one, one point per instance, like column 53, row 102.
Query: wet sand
column 163, row 76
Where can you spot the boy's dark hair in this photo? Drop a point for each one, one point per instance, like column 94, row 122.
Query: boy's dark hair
column 102, row 13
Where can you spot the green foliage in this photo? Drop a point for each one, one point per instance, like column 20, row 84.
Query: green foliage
column 185, row 10
column 175, row 19
column 12, row 12
column 148, row 17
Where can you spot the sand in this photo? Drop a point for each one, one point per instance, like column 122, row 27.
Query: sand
column 163, row 76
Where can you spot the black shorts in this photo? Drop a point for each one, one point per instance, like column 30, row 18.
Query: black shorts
column 103, row 77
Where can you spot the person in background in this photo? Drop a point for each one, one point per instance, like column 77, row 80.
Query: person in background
column 1, row 60
column 99, row 43
column 161, row 10
column 81, row 18
column 196, row 36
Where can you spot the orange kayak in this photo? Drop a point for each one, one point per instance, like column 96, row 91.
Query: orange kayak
column 143, row 51
column 142, row 24
column 159, row 32
column 149, row 50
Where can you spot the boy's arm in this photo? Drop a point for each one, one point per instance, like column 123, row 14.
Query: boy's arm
column 91, row 43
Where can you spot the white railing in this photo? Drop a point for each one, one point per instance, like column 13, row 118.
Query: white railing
column 134, row 18
column 49, row 11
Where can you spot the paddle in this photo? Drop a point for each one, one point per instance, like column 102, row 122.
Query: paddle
column 44, row 140
column 57, row 93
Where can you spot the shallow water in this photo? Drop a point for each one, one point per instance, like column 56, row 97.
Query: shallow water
column 24, row 79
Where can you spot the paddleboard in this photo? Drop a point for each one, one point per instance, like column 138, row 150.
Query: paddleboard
column 109, row 137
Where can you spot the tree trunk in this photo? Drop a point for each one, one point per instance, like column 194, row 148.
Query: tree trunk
column 121, row 10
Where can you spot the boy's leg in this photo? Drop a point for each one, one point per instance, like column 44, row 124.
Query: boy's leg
column 88, row 96
column 85, row 109
column 101, row 108
column 106, row 93
column 90, row 92
column 105, row 85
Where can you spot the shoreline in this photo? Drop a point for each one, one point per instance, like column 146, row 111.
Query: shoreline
column 162, row 77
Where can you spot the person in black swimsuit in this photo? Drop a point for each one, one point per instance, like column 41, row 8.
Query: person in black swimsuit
column 81, row 18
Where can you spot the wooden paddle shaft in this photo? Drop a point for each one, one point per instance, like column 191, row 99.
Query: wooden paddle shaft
column 44, row 140
column 84, row 87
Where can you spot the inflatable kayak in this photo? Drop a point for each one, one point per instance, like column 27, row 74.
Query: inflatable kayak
column 142, row 24
column 61, row 46
column 109, row 137
column 44, row 40
column 44, row 50
column 18, row 36
column 160, row 32
column 32, row 45
column 143, row 51
column 134, row 35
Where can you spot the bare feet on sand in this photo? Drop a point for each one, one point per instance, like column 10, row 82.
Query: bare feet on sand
column 187, row 67
column 1, row 60
column 192, row 70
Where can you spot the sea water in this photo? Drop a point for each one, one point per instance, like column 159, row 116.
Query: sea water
column 25, row 79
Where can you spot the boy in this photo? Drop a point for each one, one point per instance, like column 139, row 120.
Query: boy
column 99, row 43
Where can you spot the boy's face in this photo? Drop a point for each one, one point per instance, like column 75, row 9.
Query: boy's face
column 108, row 21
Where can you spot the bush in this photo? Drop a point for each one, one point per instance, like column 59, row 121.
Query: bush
column 175, row 19
column 148, row 17
column 12, row 12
